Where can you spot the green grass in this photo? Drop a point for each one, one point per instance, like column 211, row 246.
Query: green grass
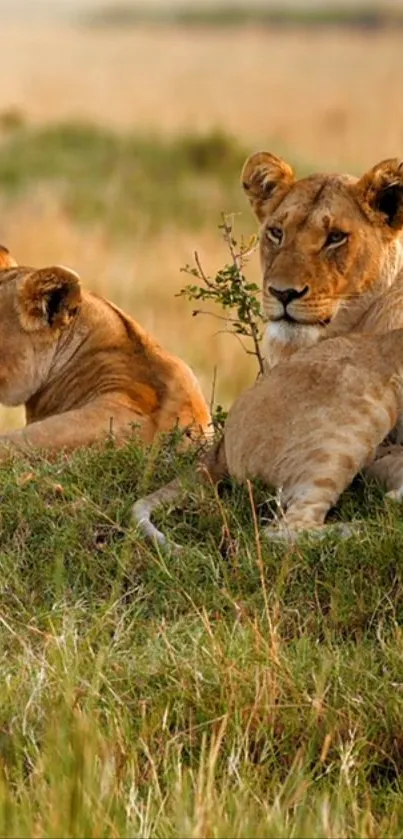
column 128, row 182
column 239, row 690
column 372, row 17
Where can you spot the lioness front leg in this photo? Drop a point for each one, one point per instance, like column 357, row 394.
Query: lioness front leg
column 75, row 429
column 306, row 520
column 307, row 509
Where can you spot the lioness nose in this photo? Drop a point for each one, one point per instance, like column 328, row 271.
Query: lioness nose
column 285, row 295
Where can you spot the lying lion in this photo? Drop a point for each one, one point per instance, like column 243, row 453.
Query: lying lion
column 306, row 428
column 331, row 253
column 83, row 368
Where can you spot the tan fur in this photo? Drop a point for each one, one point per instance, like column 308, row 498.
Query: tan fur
column 306, row 428
column 83, row 368
column 333, row 287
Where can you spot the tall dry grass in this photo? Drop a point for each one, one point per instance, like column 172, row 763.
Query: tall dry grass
column 335, row 97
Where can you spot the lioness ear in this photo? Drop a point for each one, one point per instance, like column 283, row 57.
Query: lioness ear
column 6, row 260
column 266, row 179
column 49, row 297
column 380, row 193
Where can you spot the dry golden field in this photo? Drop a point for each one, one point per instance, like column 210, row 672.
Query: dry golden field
column 330, row 99
column 333, row 97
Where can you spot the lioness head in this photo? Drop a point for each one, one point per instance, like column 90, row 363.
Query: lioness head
column 36, row 309
column 329, row 245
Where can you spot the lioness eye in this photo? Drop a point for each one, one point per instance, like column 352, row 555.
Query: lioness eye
column 275, row 234
column 335, row 237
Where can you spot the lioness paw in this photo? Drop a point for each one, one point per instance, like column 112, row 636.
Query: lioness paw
column 395, row 494
column 282, row 533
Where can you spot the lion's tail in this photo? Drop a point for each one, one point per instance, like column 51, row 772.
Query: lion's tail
column 144, row 507
column 210, row 470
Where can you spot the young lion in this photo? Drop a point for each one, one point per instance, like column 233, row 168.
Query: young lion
column 307, row 428
column 331, row 252
column 83, row 368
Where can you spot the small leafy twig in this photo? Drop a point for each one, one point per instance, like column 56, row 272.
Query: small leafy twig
column 230, row 290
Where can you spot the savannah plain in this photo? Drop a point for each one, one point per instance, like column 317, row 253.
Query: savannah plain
column 238, row 689
column 128, row 222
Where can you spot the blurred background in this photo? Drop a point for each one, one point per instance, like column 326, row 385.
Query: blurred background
column 124, row 126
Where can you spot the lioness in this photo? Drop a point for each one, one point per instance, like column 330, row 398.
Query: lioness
column 306, row 428
column 331, row 254
column 83, row 368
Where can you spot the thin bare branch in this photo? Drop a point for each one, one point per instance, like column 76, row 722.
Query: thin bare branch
column 213, row 389
column 226, row 318
column 202, row 274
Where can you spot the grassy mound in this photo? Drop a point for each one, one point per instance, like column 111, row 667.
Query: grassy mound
column 239, row 690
